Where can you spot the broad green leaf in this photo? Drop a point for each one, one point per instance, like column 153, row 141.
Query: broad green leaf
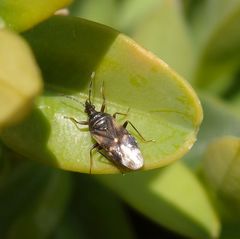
column 40, row 220
column 221, row 168
column 189, row 7
column 234, row 92
column 230, row 230
column 162, row 105
column 106, row 214
column 24, row 184
column 171, row 41
column 172, row 197
column 221, row 174
column 4, row 165
column 217, row 39
column 23, row 14
column 20, row 80
column 236, row 101
column 131, row 12
column 219, row 120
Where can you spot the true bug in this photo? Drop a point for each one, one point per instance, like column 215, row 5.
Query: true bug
column 113, row 141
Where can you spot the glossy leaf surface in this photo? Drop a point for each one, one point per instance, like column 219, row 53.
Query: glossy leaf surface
column 162, row 105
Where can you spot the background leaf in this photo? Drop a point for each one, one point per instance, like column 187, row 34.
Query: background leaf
column 171, row 41
column 219, row 120
column 171, row 196
column 221, row 170
column 13, row 202
column 23, row 14
column 217, row 39
column 95, row 206
column 20, row 80
column 107, row 12
column 41, row 219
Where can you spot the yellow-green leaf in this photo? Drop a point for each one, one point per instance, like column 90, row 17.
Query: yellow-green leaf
column 23, row 14
column 20, row 80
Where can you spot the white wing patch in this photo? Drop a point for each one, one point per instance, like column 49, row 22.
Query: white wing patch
column 131, row 156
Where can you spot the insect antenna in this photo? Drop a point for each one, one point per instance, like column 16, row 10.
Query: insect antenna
column 90, row 87
column 73, row 98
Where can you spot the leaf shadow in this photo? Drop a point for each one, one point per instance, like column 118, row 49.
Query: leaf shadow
column 68, row 50
column 30, row 138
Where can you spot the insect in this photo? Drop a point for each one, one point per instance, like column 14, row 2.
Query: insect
column 113, row 140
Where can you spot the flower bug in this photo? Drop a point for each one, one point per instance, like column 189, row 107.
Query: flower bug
column 113, row 140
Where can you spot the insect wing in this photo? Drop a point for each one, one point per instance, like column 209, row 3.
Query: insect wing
column 131, row 155
column 126, row 153
column 119, row 146
column 104, row 132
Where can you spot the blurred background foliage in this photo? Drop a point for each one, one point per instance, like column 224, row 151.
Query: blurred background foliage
column 196, row 197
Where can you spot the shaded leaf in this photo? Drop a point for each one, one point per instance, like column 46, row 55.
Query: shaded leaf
column 23, row 185
column 41, row 219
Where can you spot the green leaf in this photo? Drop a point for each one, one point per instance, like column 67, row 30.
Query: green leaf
column 23, row 14
column 162, row 105
column 132, row 12
column 171, row 41
column 20, row 80
column 172, row 197
column 4, row 166
column 221, row 168
column 41, row 218
column 220, row 171
column 86, row 213
column 106, row 208
column 236, row 101
column 106, row 13
column 24, row 184
column 219, row 120
column 217, row 39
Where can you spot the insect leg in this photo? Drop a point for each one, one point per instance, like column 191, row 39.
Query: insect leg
column 103, row 97
column 128, row 122
column 76, row 122
column 119, row 113
column 96, row 145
